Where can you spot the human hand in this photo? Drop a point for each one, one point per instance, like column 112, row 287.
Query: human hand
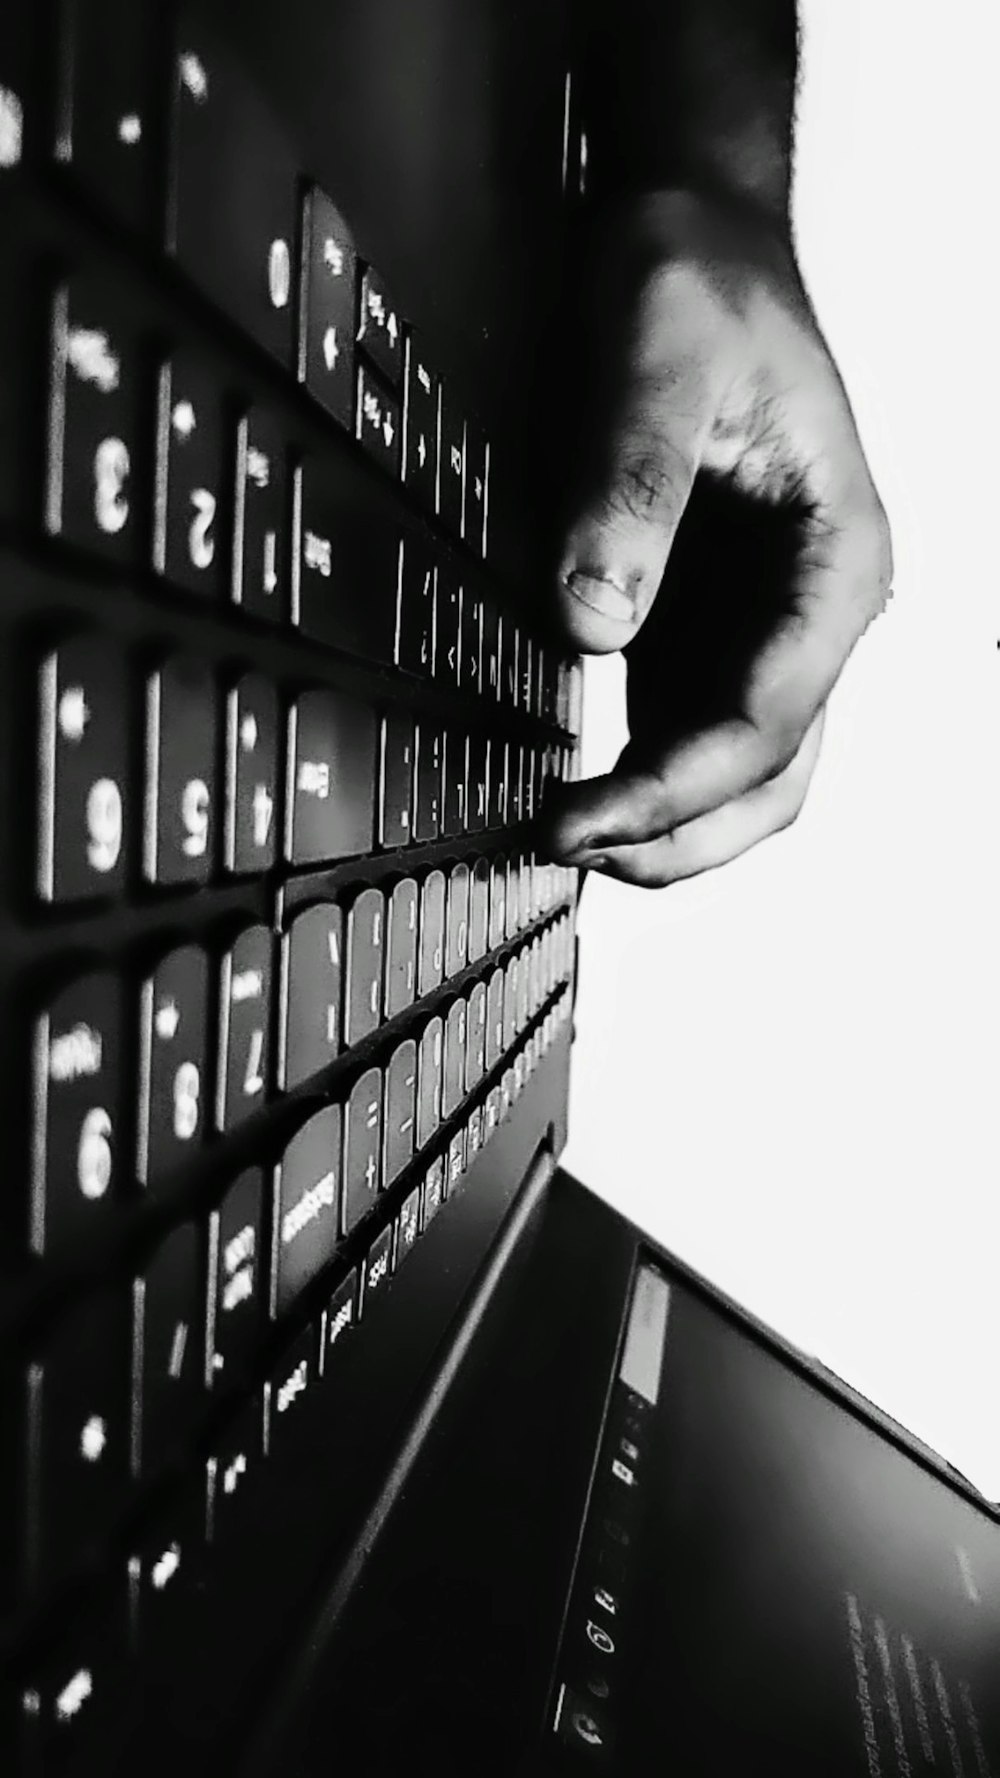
column 723, row 529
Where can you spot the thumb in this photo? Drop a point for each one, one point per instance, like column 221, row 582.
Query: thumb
column 616, row 545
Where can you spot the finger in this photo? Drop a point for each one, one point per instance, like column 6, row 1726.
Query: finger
column 717, row 838
column 840, row 582
column 645, row 443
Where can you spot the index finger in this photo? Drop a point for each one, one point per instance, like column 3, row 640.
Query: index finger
column 841, row 581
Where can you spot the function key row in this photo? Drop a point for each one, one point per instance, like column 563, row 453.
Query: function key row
column 458, row 636
column 234, row 777
column 216, row 1035
column 68, row 1695
column 121, row 1380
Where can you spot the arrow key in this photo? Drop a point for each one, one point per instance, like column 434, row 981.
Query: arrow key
column 378, row 423
column 380, row 330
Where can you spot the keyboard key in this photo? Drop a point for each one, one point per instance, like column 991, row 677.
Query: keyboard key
column 260, row 578
column 77, row 1069
column 306, row 1206
column 377, row 422
column 454, row 778
column 524, row 892
column 364, row 964
column 479, row 910
column 491, row 650
column 515, row 784
column 456, row 951
column 311, row 994
column 430, row 1069
column 377, row 1267
column 521, row 1013
column 78, row 1402
column 420, row 448
column 401, row 948
column 400, row 1110
column 233, row 218
column 82, row 791
column 347, row 563
column 509, row 647
column 510, row 1004
column 453, row 1073
column 396, row 779
column 415, row 609
column 472, row 643
column 106, row 128
column 407, row 1226
column 168, row 1358
column 165, row 1567
column 95, row 419
column 494, row 1019
column 326, row 339
column 252, row 766
column 332, row 771
column 474, row 1134
column 362, row 1147
column 539, row 684
column 479, row 781
column 492, row 1112
column 191, row 532
column 496, row 811
column 456, row 1161
column 244, row 1027
column 71, row 1696
column 451, row 501
column 526, row 670
column 233, row 1474
column 173, row 1041
column 448, row 647
column 430, row 963
column 477, row 460
column 237, row 1282
column 290, row 1395
column 178, row 840
column 498, row 901
column 339, row 1320
column 433, row 1190
column 427, row 780
column 475, row 1060
column 380, row 328
column 513, row 886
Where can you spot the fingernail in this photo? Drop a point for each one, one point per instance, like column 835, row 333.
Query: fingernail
column 602, row 595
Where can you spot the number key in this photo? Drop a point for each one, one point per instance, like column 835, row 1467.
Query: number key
column 82, row 733
column 251, row 775
column 190, row 534
column 94, row 419
column 173, row 1023
column 244, row 1025
column 180, row 773
column 260, row 532
column 77, row 1060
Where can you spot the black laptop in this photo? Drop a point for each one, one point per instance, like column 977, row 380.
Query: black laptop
column 340, row 1432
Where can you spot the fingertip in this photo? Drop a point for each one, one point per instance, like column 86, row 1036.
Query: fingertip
column 597, row 611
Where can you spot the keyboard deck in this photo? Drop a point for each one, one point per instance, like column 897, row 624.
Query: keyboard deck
column 278, row 961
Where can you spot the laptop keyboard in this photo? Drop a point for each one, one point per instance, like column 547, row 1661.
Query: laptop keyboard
column 278, row 956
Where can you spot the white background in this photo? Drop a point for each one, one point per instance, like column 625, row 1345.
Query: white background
column 787, row 1071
